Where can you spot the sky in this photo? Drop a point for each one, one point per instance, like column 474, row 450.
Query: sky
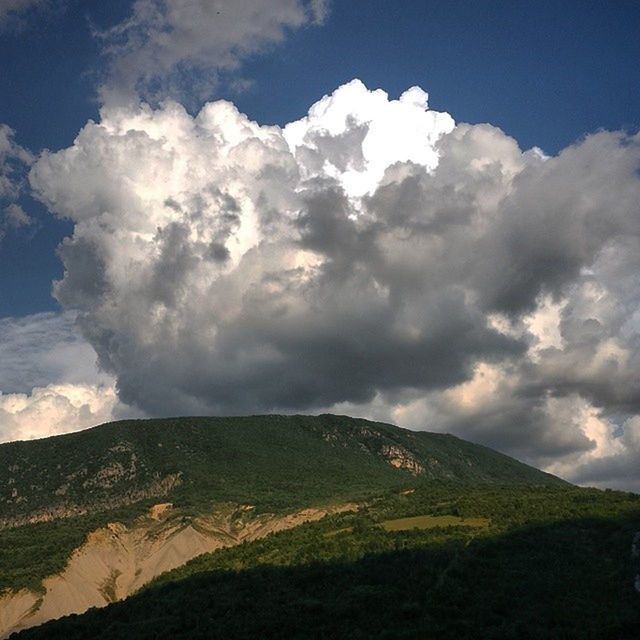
column 421, row 212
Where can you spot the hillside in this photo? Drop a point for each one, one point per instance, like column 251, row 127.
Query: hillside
column 88, row 518
column 543, row 563
column 268, row 461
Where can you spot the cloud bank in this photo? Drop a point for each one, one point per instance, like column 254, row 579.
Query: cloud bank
column 374, row 256
column 45, row 348
column 54, row 409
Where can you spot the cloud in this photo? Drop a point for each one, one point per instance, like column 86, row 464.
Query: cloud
column 13, row 160
column 374, row 255
column 13, row 217
column 54, row 409
column 49, row 382
column 45, row 348
column 150, row 51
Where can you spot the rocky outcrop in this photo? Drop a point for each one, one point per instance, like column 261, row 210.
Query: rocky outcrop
column 402, row 458
column 156, row 489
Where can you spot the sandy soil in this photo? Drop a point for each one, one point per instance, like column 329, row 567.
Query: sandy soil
column 115, row 561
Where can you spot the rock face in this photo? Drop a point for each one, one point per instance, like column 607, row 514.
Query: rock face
column 155, row 489
column 400, row 458
column 115, row 561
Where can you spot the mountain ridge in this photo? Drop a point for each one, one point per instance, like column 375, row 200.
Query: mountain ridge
column 121, row 463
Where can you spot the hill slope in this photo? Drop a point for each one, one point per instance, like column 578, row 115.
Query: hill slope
column 542, row 563
column 88, row 518
column 268, row 461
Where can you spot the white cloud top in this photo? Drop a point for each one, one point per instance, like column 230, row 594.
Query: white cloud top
column 53, row 410
column 355, row 134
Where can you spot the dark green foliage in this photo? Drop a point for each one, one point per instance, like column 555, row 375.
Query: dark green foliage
column 554, row 564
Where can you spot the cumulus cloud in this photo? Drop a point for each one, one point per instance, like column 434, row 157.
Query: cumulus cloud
column 49, row 382
column 374, row 256
column 150, row 50
column 54, row 409
column 618, row 469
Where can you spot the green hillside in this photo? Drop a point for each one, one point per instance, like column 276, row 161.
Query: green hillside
column 54, row 491
column 268, row 461
column 518, row 562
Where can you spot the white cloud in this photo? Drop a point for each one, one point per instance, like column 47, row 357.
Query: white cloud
column 355, row 134
column 13, row 159
column 45, row 348
column 14, row 162
column 373, row 255
column 13, row 217
column 54, row 409
column 150, row 51
column 49, row 382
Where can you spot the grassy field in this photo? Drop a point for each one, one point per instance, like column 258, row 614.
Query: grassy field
column 433, row 522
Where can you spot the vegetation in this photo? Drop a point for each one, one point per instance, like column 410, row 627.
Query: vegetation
column 266, row 460
column 453, row 540
column 61, row 488
column 551, row 563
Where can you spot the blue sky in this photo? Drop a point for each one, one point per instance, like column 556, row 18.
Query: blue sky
column 545, row 72
column 467, row 265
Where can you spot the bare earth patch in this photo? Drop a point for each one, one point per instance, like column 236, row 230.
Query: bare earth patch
column 115, row 561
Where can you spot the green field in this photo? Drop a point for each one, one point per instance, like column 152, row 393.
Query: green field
column 432, row 522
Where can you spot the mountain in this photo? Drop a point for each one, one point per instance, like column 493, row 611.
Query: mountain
column 272, row 461
column 89, row 518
